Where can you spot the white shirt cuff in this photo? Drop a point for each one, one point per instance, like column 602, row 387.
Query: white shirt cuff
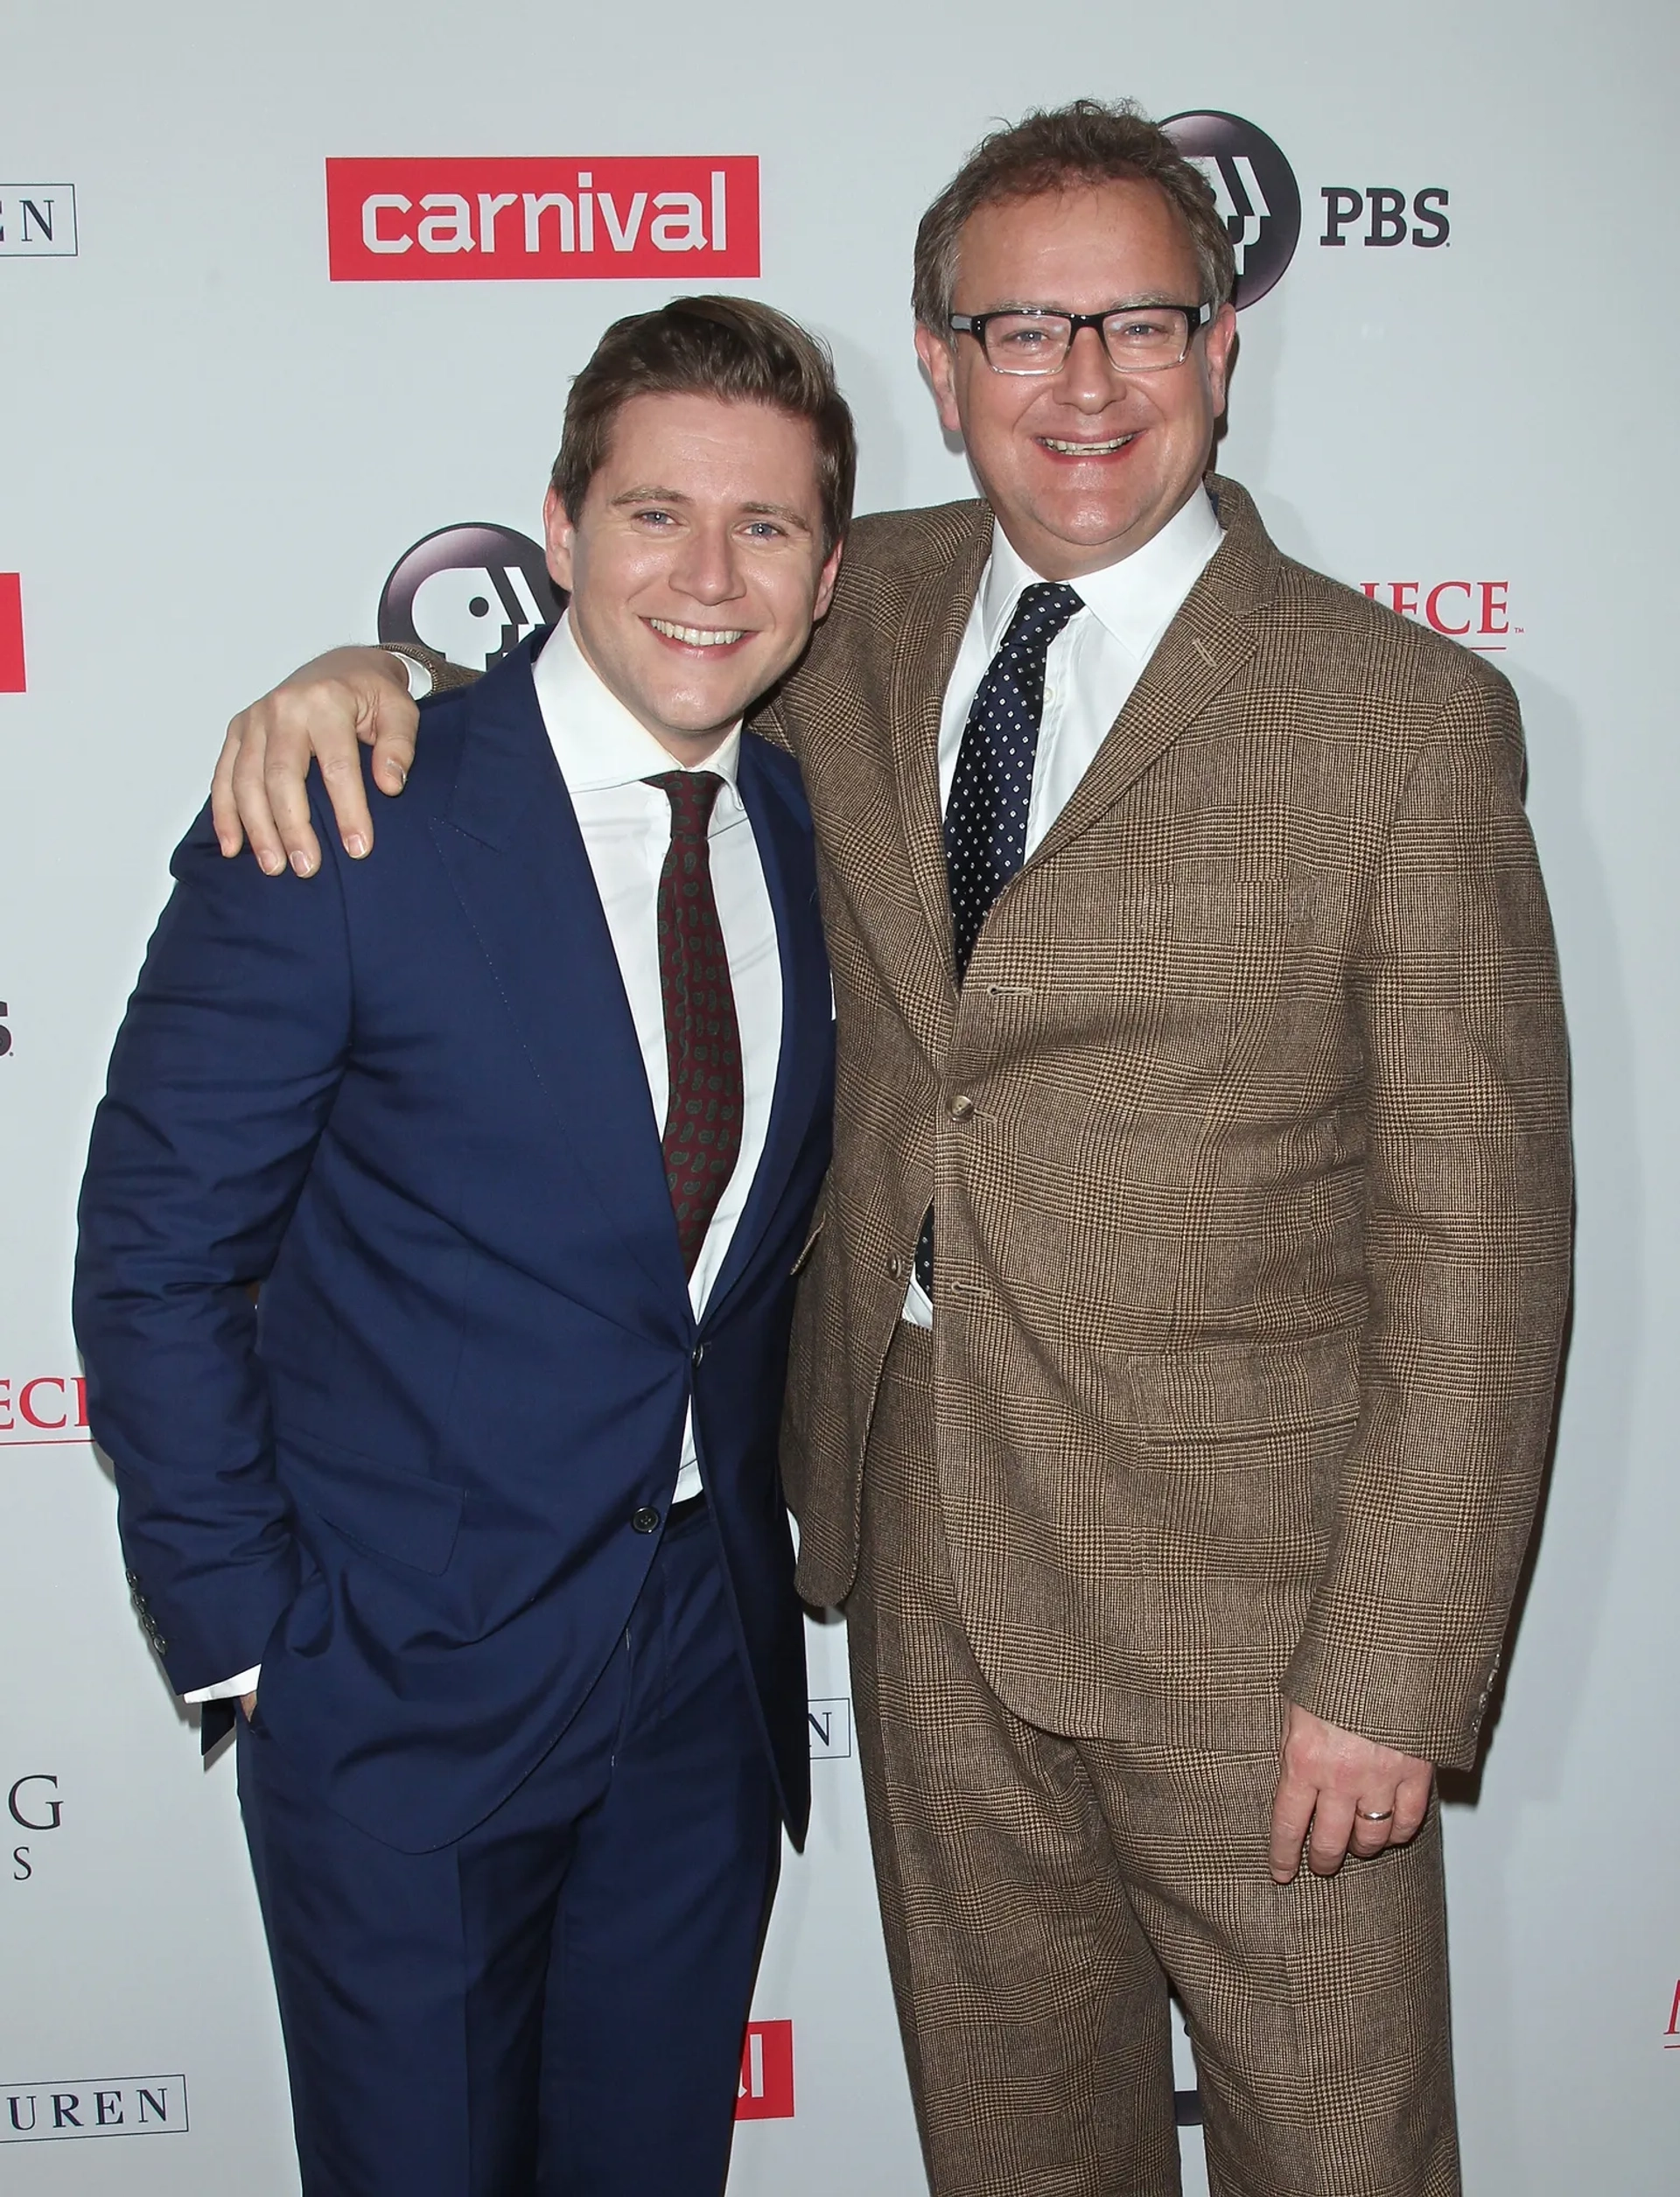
column 230, row 1689
column 418, row 674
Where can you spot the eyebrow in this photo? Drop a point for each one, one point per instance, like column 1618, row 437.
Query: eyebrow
column 652, row 494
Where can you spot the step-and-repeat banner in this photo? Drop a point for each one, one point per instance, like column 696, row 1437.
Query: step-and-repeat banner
column 289, row 300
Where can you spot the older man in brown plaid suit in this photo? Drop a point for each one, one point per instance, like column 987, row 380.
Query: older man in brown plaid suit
column 1177, row 1342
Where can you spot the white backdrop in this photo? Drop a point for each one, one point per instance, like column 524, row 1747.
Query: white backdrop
column 212, row 457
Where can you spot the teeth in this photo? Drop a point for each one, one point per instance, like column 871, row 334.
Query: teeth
column 1085, row 450
column 698, row 636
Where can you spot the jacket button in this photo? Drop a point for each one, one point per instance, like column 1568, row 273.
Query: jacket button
column 895, row 1268
column 961, row 1107
column 645, row 1520
column 697, row 1353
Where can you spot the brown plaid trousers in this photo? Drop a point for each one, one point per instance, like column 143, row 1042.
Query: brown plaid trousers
column 1248, row 1140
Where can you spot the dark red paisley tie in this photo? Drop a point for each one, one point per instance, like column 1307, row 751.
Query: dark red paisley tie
column 702, row 1041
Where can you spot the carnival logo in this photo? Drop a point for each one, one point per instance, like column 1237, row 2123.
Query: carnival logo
column 34, row 1806
column 38, row 220
column 108, row 2105
column 43, row 1411
column 658, row 219
column 12, row 680
column 765, row 2092
column 471, row 592
column 1476, row 612
column 1671, row 2034
column 1256, row 191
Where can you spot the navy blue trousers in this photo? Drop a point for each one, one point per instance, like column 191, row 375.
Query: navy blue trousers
column 555, row 2006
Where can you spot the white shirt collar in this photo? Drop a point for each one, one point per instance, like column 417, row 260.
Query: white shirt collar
column 1136, row 599
column 597, row 742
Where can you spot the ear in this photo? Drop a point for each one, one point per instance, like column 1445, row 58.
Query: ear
column 939, row 363
column 557, row 535
column 825, row 581
column 1220, row 344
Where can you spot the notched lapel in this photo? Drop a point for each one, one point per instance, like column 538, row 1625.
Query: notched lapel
column 936, row 610
column 806, row 1013
column 1204, row 649
column 511, row 845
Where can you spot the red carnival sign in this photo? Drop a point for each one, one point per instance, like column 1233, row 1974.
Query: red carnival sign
column 767, row 2087
column 11, row 633
column 670, row 219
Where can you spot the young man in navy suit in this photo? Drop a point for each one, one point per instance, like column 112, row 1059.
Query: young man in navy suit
column 519, row 1127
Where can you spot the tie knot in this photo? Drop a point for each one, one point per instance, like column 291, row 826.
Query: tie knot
column 692, row 794
column 1044, row 609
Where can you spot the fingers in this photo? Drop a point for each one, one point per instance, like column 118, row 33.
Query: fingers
column 247, row 736
column 224, row 809
column 1412, row 1797
column 327, row 711
column 395, row 725
column 1291, row 1817
column 1333, row 1826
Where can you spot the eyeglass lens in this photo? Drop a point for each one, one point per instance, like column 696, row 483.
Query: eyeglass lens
column 1140, row 340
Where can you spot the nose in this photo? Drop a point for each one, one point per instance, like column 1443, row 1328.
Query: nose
column 1089, row 377
column 709, row 570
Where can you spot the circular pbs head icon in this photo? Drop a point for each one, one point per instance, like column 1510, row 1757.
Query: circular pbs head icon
column 471, row 592
column 1256, row 190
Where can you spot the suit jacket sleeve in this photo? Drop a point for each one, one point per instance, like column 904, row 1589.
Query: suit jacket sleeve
column 220, row 1083
column 1467, row 1251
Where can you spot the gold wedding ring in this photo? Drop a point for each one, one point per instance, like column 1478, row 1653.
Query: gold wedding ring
column 1374, row 1814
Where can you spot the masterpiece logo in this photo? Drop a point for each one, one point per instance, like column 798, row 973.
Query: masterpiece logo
column 680, row 221
column 43, row 1411
column 829, row 1724
column 767, row 2085
column 12, row 680
column 1255, row 187
column 33, row 1804
column 471, row 592
column 38, row 220
column 1476, row 612
column 110, row 2105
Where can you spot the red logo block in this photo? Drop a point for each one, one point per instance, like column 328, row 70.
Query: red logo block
column 11, row 634
column 767, row 2091
column 678, row 221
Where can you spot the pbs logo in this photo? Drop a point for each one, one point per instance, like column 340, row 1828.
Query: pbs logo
column 471, row 592
column 1256, row 191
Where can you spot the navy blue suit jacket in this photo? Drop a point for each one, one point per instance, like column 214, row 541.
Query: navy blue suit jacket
column 407, row 1096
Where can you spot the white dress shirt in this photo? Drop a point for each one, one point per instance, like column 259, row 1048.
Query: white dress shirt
column 603, row 756
column 1091, row 668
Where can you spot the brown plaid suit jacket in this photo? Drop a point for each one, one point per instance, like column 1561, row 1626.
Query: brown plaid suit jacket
column 1247, row 1137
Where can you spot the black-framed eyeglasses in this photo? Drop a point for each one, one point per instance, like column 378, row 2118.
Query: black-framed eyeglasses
column 1036, row 338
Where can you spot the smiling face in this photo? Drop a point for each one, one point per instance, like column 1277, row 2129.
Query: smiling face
column 696, row 566
column 1082, row 466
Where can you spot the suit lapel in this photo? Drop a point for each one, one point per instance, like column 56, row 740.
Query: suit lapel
column 935, row 613
column 1204, row 649
column 511, row 845
column 807, row 1011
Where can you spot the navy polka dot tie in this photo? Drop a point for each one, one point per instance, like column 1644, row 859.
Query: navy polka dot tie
column 985, row 817
column 703, row 1042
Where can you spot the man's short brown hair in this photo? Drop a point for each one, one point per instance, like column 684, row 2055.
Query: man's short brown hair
column 729, row 348
column 1058, row 148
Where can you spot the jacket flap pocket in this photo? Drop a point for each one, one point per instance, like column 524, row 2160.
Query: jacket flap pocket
column 1231, row 1390
column 380, row 1507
